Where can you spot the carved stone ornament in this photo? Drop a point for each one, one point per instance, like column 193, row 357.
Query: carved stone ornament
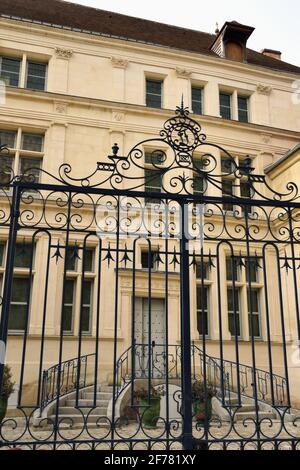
column 183, row 73
column 61, row 107
column 264, row 89
column 119, row 62
column 62, row 53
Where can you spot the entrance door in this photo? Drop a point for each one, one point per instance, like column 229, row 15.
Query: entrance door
column 155, row 337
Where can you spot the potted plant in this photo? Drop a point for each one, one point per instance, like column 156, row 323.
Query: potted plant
column 150, row 405
column 6, row 391
column 202, row 400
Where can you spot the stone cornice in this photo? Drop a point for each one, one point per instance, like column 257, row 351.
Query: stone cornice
column 67, row 34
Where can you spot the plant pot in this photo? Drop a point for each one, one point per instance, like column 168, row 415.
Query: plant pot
column 3, row 408
column 200, row 413
column 150, row 412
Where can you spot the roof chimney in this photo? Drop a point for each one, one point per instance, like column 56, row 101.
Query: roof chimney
column 231, row 41
column 272, row 53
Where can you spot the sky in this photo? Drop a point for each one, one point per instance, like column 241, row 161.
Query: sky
column 277, row 22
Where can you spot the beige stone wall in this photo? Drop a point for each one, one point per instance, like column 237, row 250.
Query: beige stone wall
column 96, row 96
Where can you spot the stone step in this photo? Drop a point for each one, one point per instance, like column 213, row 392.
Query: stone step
column 252, row 415
column 70, row 410
column 77, row 421
column 87, row 402
column 246, row 409
column 99, row 396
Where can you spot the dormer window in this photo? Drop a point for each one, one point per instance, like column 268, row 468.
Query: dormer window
column 231, row 41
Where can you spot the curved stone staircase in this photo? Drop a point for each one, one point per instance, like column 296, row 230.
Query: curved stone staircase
column 233, row 383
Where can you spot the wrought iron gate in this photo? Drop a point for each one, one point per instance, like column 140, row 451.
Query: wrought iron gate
column 217, row 276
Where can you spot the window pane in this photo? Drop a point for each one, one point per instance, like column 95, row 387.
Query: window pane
column 148, row 258
column 233, row 300
column 153, row 93
column 36, row 76
column 225, row 106
column 69, row 291
column 17, row 318
column 89, row 260
column 200, row 323
column 30, row 169
column 252, row 265
column 6, row 169
column 23, row 255
column 86, row 293
column 33, row 142
column 197, row 100
column 153, row 183
column 20, row 289
column 72, row 257
column 234, row 324
column 8, row 138
column 227, row 165
column 198, row 185
column 86, row 319
column 202, row 268
column 154, row 158
column 229, row 263
column 10, row 70
column 68, row 317
column 227, row 190
column 256, row 326
column 202, row 309
column 243, row 108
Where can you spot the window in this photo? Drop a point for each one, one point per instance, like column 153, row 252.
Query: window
column 10, row 70
column 227, row 191
column 68, row 308
column 18, row 162
column 232, row 269
column 8, row 138
column 198, row 185
column 202, row 268
column 233, row 305
column 29, row 169
column 202, row 310
column 21, row 289
column 225, row 105
column 87, row 306
column 19, row 304
column 79, row 263
column 254, row 303
column 155, row 158
column 238, row 267
column 153, row 184
column 243, row 108
column 154, row 93
column 36, row 76
column 197, row 105
column 149, row 259
column 32, row 142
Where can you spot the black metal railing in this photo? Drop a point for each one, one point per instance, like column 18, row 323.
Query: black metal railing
column 71, row 375
column 230, row 379
column 138, row 362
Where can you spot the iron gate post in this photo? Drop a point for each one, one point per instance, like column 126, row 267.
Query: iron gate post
column 9, row 273
column 186, row 370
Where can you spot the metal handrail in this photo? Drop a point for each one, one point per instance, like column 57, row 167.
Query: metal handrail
column 230, row 379
column 66, row 375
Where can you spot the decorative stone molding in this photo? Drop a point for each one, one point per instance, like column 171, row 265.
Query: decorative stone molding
column 118, row 117
column 263, row 89
column 266, row 138
column 183, row 73
column 119, row 62
column 62, row 53
column 61, row 107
